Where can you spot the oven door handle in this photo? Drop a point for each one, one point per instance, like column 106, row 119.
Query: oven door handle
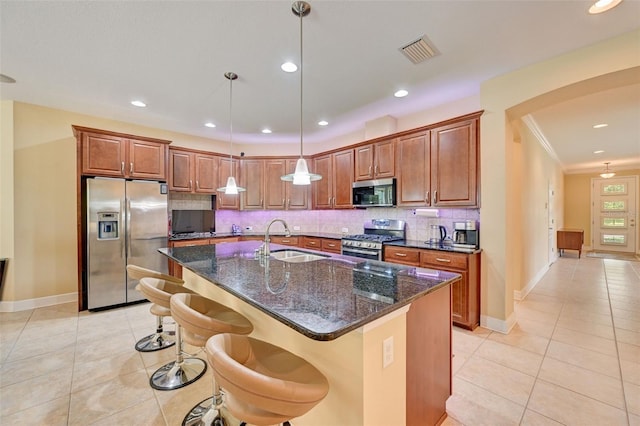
column 353, row 250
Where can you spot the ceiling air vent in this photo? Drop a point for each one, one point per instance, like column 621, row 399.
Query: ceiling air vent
column 419, row 50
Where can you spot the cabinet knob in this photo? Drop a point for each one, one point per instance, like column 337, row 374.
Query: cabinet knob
column 426, row 197
column 197, row 184
column 130, row 167
column 375, row 170
column 439, row 259
column 190, row 184
column 401, row 254
column 435, row 197
column 122, row 167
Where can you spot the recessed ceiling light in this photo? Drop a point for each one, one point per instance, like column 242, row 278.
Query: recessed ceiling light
column 138, row 104
column 210, row 124
column 401, row 93
column 267, row 131
column 598, row 151
column 603, row 5
column 600, row 126
column 323, row 123
column 289, row 67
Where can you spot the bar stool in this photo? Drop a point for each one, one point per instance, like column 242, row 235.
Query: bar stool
column 160, row 339
column 263, row 384
column 182, row 371
column 200, row 318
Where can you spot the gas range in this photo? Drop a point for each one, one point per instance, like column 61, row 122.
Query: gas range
column 376, row 233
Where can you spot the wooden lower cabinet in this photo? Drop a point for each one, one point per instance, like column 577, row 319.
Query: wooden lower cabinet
column 403, row 255
column 312, row 243
column 331, row 245
column 175, row 269
column 465, row 298
column 570, row 239
column 287, row 241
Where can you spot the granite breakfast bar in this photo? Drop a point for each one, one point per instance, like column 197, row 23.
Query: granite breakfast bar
column 338, row 313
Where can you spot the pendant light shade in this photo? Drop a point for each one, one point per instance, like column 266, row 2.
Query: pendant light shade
column 231, row 188
column 301, row 175
column 607, row 173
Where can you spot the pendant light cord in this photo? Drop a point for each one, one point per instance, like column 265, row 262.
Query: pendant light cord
column 301, row 71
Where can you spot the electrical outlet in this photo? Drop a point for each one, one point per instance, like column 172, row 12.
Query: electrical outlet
column 387, row 352
column 345, row 230
column 296, row 228
column 248, row 228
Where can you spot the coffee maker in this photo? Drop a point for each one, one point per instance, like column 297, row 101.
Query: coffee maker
column 466, row 234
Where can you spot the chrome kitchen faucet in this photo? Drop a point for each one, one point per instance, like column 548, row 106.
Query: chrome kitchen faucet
column 264, row 249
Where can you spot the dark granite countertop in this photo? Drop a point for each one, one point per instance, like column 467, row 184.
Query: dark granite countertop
column 322, row 299
column 202, row 235
column 430, row 246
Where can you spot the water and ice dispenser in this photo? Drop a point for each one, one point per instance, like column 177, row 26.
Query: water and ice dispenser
column 108, row 225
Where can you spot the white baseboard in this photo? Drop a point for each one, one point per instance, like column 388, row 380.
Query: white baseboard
column 521, row 294
column 23, row 305
column 501, row 326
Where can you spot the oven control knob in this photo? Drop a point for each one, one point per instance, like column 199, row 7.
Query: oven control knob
column 346, row 243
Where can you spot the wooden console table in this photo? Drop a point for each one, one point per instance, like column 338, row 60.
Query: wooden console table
column 571, row 239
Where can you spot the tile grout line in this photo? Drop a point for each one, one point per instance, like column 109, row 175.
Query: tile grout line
column 546, row 349
column 615, row 336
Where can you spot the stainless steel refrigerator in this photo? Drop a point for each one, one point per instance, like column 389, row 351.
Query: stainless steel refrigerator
column 126, row 224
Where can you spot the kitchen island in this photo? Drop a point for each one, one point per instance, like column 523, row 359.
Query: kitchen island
column 338, row 313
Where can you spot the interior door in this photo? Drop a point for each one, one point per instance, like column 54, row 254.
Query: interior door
column 614, row 213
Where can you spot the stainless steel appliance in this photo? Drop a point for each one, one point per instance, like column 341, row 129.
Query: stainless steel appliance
column 437, row 234
column 376, row 233
column 466, row 234
column 192, row 224
column 126, row 224
column 374, row 193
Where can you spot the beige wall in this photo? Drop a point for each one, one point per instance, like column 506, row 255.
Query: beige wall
column 577, row 200
column 510, row 97
column 6, row 194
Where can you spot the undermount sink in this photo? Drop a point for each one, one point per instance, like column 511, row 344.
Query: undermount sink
column 296, row 256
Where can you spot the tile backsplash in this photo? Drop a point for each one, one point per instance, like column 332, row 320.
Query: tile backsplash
column 340, row 221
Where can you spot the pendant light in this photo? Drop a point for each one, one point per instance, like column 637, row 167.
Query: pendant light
column 231, row 188
column 607, row 173
column 301, row 176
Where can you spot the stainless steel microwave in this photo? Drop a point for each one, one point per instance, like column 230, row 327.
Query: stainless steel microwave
column 374, row 193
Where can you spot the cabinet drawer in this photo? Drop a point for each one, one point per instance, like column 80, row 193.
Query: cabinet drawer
column 312, row 242
column 431, row 258
column 333, row 246
column 224, row 240
column 408, row 256
column 189, row 243
column 287, row 241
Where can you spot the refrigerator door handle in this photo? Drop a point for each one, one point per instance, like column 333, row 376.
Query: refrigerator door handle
column 128, row 228
column 122, row 224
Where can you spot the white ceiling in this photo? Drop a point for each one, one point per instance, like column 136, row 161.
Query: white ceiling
column 94, row 57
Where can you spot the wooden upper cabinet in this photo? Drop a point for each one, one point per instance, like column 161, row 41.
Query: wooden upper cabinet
column 375, row 161
column 296, row 196
column 253, row 181
column 439, row 167
column 192, row 172
column 116, row 155
column 454, row 151
column 224, row 201
column 206, row 173
column 275, row 188
column 414, row 174
column 180, row 171
column 333, row 191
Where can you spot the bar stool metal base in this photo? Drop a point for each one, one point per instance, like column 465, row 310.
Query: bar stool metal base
column 177, row 375
column 204, row 414
column 155, row 342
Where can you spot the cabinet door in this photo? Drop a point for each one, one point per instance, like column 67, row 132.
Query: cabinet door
column 253, row 181
column 414, row 174
column 343, row 179
column 364, row 163
column 323, row 188
column 206, row 173
column 103, row 155
column 275, row 188
column 331, row 245
column 180, row 171
column 384, row 164
column 403, row 255
column 297, row 196
column 227, row 166
column 312, row 242
column 460, row 300
column 454, row 156
column 147, row 160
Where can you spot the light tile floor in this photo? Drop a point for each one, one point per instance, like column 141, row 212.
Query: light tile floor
column 573, row 359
